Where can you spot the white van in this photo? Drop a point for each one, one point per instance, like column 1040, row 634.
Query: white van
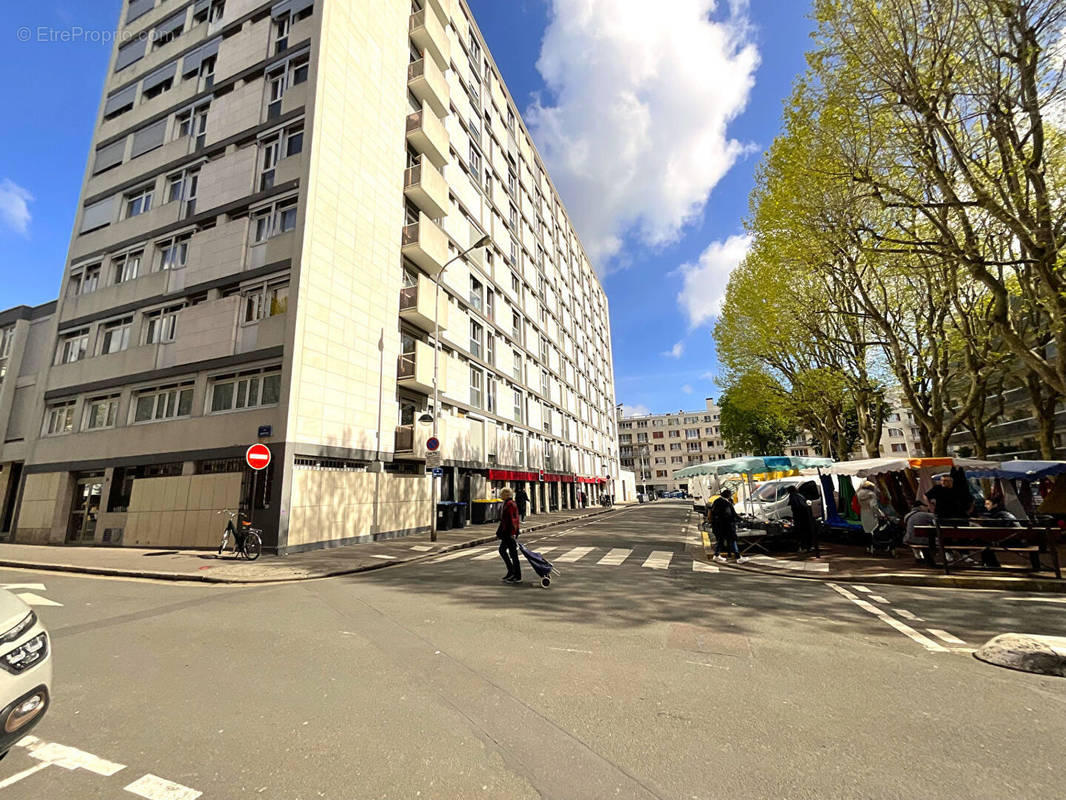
column 770, row 499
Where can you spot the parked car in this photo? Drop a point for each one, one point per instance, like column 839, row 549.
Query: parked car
column 25, row 670
column 770, row 499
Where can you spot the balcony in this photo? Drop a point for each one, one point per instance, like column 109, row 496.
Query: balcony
column 427, row 83
column 415, row 370
column 416, row 305
column 405, row 439
column 428, row 34
column 425, row 244
column 426, row 134
column 424, row 184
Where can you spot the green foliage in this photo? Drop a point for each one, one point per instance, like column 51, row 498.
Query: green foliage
column 754, row 416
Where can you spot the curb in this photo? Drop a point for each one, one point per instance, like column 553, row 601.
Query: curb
column 184, row 577
column 1039, row 655
column 1005, row 584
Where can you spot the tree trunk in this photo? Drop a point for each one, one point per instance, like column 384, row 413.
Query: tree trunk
column 1043, row 399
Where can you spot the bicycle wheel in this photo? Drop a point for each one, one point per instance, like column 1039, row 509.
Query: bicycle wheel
column 253, row 546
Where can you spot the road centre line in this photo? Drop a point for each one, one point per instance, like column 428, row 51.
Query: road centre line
column 906, row 630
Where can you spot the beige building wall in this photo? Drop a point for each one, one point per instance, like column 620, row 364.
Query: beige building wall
column 182, row 511
column 42, row 516
column 341, row 506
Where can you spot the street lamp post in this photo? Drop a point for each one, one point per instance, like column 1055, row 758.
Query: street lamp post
column 482, row 242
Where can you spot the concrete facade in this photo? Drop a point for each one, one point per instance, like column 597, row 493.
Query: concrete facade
column 272, row 191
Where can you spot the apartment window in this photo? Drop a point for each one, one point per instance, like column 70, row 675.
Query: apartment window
column 280, row 78
column 547, row 412
column 239, row 391
column 895, row 433
column 282, row 26
column 674, row 434
column 545, row 383
column 192, row 122
column 115, row 336
column 209, row 13
column 274, row 220
column 512, row 217
column 893, row 418
column 476, row 381
column 139, row 201
column 490, row 304
column 100, row 412
column 510, row 120
column 642, row 438
column 59, row 419
column 206, row 74
column 73, row 346
column 157, row 83
column 516, row 285
column 512, row 183
column 84, row 281
column 477, row 290
column 517, row 365
column 294, row 140
column 7, row 337
column 692, row 433
column 543, row 349
column 514, row 253
column 694, row 446
column 173, row 253
column 269, row 150
column 166, row 402
column 899, row 447
column 490, row 348
column 490, row 394
column 476, row 334
column 125, row 267
column 160, row 326
column 475, row 163
column 676, row 446
column 518, row 406
column 265, row 300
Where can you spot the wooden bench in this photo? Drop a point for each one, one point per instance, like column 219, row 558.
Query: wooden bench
column 1027, row 540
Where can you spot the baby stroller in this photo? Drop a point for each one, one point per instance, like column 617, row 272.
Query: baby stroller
column 886, row 537
column 540, row 565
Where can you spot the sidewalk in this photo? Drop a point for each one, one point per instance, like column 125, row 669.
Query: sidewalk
column 843, row 562
column 207, row 567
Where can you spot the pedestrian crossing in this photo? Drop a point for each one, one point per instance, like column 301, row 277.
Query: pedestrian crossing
column 661, row 560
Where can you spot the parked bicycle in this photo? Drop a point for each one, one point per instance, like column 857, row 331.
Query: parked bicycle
column 247, row 541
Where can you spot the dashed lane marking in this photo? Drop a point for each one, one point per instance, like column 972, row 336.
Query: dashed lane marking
column 576, row 554
column 18, row 776
column 487, row 556
column 460, row 554
column 906, row 630
column 68, row 757
column 862, row 589
column 908, row 615
column 422, row 548
column 615, row 556
column 156, row 788
column 384, row 558
column 944, row 636
column 879, row 599
column 703, row 566
column 659, row 559
column 37, row 587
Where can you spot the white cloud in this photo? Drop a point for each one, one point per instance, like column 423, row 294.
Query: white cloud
column 635, row 137
column 676, row 351
column 703, row 292
column 635, row 411
column 15, row 206
column 687, row 389
column 708, row 376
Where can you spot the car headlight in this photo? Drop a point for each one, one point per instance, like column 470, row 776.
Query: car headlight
column 15, row 633
column 25, row 656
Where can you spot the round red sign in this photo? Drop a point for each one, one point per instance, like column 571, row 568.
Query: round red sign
column 258, row 456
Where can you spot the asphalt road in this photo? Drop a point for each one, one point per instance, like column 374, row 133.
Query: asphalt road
column 636, row 675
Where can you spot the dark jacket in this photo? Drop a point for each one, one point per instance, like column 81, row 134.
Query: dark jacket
column 508, row 521
column 521, row 500
column 724, row 516
column 802, row 516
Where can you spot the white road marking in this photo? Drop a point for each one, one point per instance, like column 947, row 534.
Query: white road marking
column 571, row 650
column 1038, row 599
column 575, row 555
column 615, row 556
column 68, row 757
column 422, row 548
column 155, row 788
column 487, row 556
column 906, row 630
column 795, row 566
column 543, row 550
column 31, row 599
column 701, row 664
column 384, row 558
column 18, row 776
column 37, row 587
column 469, row 551
column 908, row 615
column 659, row 559
column 944, row 636
column 703, row 566
column 879, row 599
column 862, row 589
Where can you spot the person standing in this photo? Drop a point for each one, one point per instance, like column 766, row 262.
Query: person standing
column 947, row 505
column 522, row 501
column 507, row 533
column 724, row 521
column 802, row 518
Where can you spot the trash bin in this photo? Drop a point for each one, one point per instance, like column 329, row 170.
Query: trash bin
column 444, row 516
column 458, row 515
column 484, row 511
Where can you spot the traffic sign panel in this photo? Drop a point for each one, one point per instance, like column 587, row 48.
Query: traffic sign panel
column 258, row 456
column 432, row 444
column 437, row 472
column 433, row 459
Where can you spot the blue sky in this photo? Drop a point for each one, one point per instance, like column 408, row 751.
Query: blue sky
column 640, row 237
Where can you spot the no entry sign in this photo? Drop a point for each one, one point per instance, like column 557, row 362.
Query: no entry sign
column 258, row 456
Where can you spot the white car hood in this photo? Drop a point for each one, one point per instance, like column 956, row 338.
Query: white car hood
column 12, row 611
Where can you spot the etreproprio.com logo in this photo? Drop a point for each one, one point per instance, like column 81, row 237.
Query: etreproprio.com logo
column 75, row 34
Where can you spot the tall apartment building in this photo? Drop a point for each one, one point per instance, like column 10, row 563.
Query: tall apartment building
column 272, row 192
column 653, row 446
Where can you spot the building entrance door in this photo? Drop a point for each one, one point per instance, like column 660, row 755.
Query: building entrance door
column 85, row 510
